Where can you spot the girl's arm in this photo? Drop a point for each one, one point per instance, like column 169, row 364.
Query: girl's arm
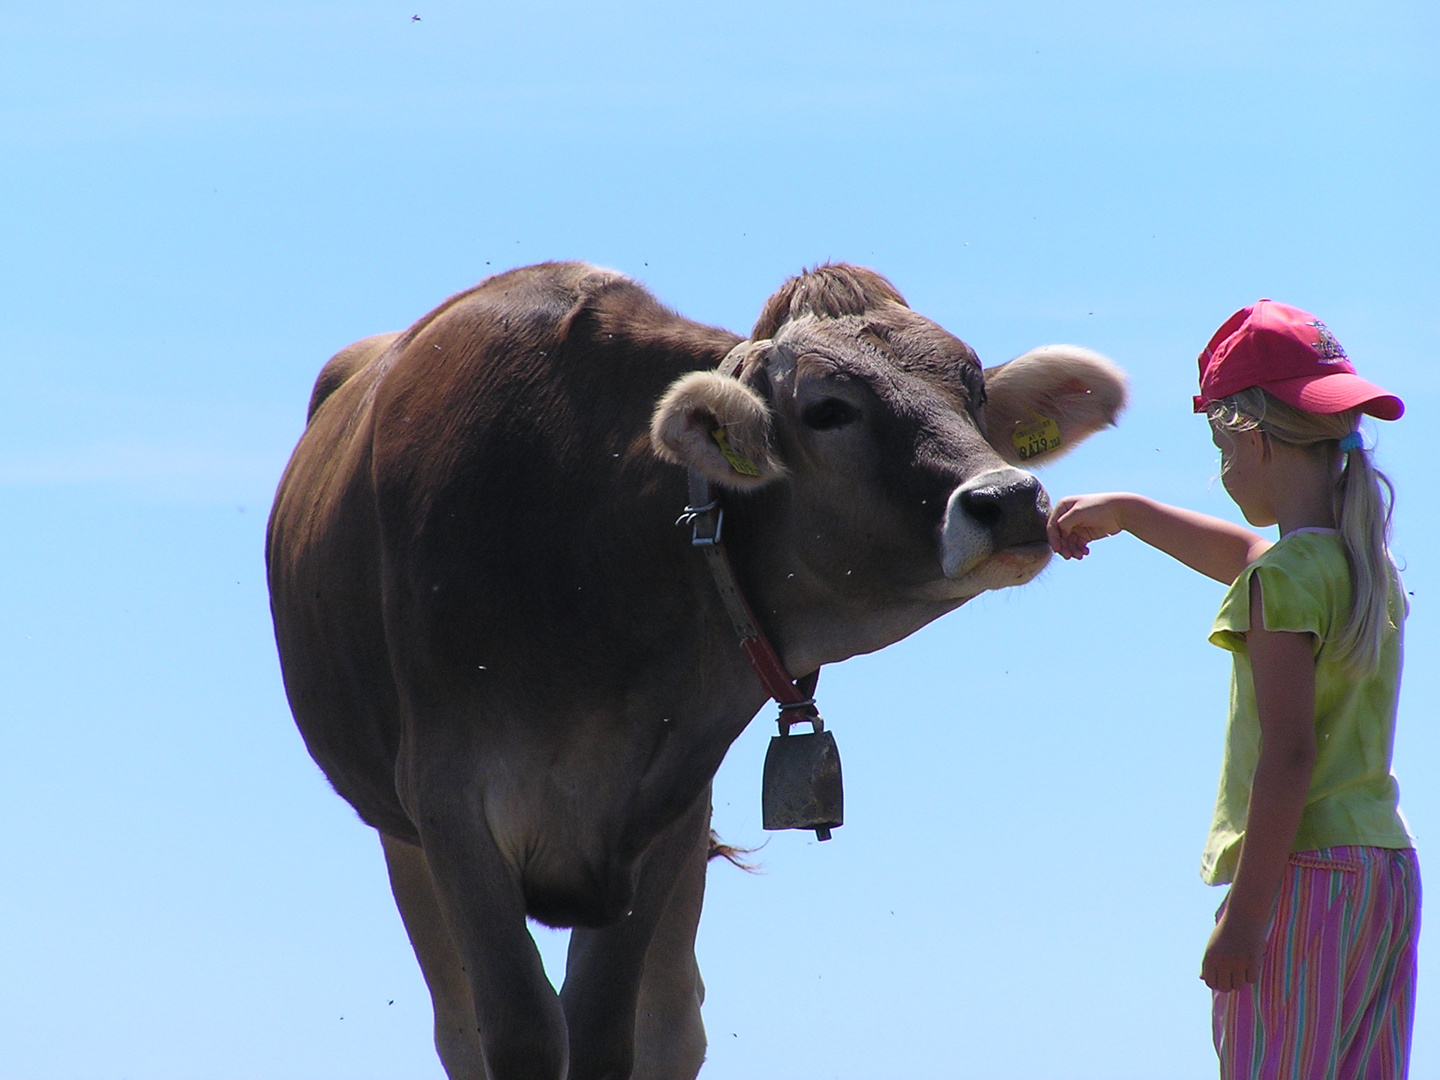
column 1284, row 670
column 1214, row 547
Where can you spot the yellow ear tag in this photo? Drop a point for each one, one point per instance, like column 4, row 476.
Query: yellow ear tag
column 738, row 461
column 1039, row 436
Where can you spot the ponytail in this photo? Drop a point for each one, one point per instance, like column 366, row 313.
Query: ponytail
column 1362, row 497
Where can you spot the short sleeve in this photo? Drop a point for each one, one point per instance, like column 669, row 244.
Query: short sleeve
column 1292, row 603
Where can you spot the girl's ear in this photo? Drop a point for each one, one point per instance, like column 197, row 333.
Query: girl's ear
column 718, row 426
column 1042, row 404
column 1264, row 446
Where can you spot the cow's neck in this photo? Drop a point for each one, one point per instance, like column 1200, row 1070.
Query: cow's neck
column 706, row 513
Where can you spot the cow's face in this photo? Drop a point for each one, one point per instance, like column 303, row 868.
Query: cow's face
column 884, row 462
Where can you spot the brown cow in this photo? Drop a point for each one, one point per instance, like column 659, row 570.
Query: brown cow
column 504, row 654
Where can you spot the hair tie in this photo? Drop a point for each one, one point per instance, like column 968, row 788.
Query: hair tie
column 1350, row 442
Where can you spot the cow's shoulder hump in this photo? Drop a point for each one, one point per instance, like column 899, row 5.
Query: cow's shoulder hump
column 343, row 365
column 577, row 304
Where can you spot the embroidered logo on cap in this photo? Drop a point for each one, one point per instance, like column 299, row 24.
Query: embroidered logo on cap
column 1329, row 349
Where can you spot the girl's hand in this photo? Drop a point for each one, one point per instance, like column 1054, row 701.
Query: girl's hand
column 1232, row 959
column 1076, row 520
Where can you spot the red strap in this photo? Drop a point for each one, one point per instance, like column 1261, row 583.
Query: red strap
column 773, row 676
column 764, row 660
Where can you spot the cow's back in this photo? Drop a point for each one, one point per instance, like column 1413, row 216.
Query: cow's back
column 458, row 489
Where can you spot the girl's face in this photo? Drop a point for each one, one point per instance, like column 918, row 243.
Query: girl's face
column 1243, row 461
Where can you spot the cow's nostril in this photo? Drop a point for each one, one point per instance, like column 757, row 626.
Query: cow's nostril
column 1008, row 505
column 984, row 504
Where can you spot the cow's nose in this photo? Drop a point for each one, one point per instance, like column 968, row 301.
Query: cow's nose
column 1009, row 503
column 988, row 513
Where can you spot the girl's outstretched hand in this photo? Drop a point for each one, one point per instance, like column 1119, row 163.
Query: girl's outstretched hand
column 1076, row 520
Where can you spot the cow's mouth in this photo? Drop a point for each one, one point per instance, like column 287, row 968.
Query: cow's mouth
column 1006, row 568
column 1028, row 550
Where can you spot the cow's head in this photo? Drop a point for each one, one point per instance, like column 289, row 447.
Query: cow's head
column 876, row 465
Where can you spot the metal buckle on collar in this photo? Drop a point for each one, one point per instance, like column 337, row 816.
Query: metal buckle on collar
column 694, row 515
column 799, row 712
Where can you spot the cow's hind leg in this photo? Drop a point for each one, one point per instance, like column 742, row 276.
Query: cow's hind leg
column 637, row 978
column 456, row 1039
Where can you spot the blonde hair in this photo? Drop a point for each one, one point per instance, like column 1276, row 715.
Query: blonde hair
column 1362, row 497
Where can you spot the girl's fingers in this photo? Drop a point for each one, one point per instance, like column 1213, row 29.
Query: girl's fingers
column 1219, row 979
column 1073, row 525
column 1059, row 542
column 1074, row 545
column 1060, row 531
column 1227, row 975
column 1052, row 534
column 1067, row 547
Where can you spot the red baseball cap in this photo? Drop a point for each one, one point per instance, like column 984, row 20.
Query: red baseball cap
column 1291, row 354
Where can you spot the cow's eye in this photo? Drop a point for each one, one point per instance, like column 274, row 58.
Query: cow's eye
column 829, row 413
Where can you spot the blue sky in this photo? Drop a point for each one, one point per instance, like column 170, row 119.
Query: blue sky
column 202, row 203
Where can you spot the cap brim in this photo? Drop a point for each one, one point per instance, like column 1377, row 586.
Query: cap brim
column 1335, row 392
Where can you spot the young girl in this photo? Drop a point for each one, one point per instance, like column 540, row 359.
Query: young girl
column 1312, row 961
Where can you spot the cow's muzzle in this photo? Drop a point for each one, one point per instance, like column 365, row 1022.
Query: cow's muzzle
column 1000, row 511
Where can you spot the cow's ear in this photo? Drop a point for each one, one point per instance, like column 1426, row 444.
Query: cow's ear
column 1040, row 405
column 718, row 426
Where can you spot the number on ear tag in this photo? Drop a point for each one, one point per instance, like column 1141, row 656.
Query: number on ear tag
column 738, row 461
column 1039, row 436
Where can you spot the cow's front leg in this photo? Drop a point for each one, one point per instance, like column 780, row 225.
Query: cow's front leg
column 669, row 1033
column 517, row 1013
column 456, row 1039
column 607, row 968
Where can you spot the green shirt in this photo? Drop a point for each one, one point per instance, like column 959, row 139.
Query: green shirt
column 1354, row 799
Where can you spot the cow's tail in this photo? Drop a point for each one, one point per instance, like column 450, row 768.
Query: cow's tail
column 736, row 856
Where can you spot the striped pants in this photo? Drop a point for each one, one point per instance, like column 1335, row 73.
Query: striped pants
column 1336, row 994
